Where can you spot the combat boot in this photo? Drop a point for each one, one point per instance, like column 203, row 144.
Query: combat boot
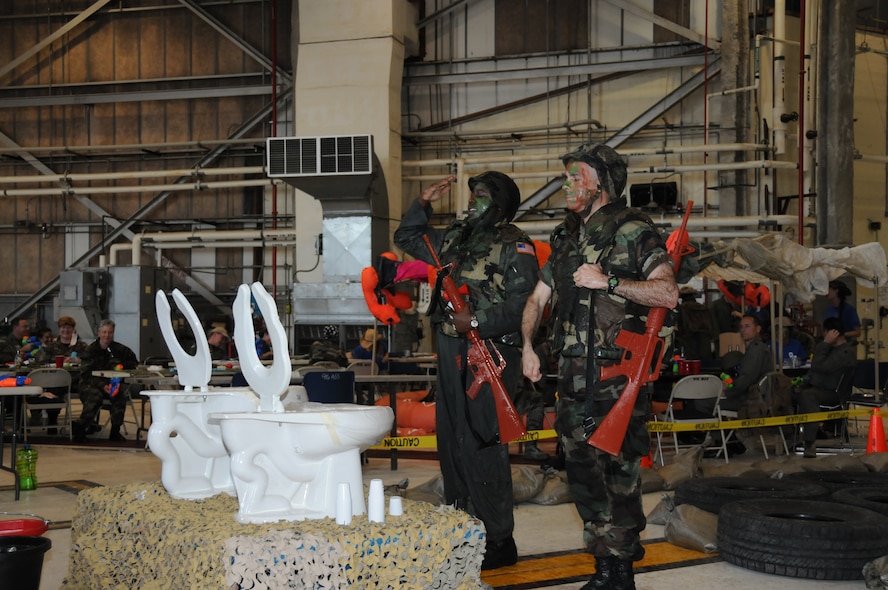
column 114, row 435
column 624, row 577
column 604, row 574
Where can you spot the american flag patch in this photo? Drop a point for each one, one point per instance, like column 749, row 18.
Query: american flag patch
column 524, row 248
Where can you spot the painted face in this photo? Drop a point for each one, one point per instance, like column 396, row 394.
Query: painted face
column 106, row 336
column 581, row 186
column 480, row 201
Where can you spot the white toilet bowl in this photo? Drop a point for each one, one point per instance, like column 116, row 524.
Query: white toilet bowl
column 195, row 462
column 287, row 465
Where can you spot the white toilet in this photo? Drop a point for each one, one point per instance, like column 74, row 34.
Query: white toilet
column 195, row 463
column 286, row 464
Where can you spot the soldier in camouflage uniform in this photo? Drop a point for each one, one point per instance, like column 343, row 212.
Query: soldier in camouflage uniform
column 102, row 355
column 496, row 262
column 328, row 349
column 608, row 266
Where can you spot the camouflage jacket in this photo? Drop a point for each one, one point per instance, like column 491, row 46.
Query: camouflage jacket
column 8, row 348
column 95, row 358
column 47, row 353
column 628, row 246
column 497, row 264
column 324, row 350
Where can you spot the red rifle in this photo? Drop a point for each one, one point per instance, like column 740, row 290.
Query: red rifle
column 642, row 356
column 481, row 362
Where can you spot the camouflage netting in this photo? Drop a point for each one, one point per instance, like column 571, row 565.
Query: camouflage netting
column 137, row 536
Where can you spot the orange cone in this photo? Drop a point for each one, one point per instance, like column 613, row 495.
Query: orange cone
column 875, row 441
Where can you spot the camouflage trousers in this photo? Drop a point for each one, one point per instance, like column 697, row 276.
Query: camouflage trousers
column 92, row 398
column 605, row 489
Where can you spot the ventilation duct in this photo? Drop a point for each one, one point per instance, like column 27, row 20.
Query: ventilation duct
column 343, row 173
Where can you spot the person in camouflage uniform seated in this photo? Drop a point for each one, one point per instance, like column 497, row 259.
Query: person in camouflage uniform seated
column 608, row 266
column 16, row 341
column 67, row 345
column 328, row 349
column 102, row 355
column 497, row 264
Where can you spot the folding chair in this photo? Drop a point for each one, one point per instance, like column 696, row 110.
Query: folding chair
column 843, row 392
column 49, row 379
column 864, row 391
column 700, row 390
column 330, row 387
column 769, row 386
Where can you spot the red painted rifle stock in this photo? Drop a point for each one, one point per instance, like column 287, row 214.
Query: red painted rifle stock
column 482, row 364
column 642, row 356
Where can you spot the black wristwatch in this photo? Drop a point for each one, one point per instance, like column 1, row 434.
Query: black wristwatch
column 612, row 283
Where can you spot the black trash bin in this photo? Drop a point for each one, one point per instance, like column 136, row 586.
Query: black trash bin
column 21, row 561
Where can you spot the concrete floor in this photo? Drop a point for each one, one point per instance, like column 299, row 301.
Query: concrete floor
column 540, row 530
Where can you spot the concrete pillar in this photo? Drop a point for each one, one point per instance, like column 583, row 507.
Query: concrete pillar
column 734, row 124
column 835, row 124
column 349, row 65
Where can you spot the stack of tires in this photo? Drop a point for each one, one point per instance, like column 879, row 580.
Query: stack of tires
column 821, row 525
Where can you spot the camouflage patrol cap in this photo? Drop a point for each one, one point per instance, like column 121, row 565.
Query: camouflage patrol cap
column 503, row 191
column 607, row 162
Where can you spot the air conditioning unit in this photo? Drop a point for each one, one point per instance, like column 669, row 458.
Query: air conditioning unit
column 334, row 155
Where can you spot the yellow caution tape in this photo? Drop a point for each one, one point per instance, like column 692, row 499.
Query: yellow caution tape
column 754, row 422
column 431, row 442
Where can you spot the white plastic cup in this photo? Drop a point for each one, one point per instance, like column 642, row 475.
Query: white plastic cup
column 343, row 504
column 396, row 508
column 376, row 502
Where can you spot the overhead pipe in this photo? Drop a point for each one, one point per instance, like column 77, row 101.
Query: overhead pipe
column 748, row 165
column 205, row 236
column 85, row 177
column 138, row 188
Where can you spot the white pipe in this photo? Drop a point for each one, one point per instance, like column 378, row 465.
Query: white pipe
column 779, row 76
column 812, row 36
column 752, row 221
column 751, row 164
column 196, row 172
column 139, row 188
column 686, row 149
column 202, row 236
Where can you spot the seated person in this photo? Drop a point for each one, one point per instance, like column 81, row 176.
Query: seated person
column 328, row 349
column 263, row 345
column 364, row 349
column 218, row 340
column 831, row 357
column 68, row 346
column 792, row 346
column 756, row 362
column 102, row 355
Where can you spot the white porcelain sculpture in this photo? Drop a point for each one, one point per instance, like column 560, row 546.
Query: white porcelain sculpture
column 195, row 463
column 286, row 465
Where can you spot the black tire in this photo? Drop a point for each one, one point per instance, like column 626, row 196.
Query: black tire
column 873, row 498
column 711, row 493
column 801, row 538
column 837, row 480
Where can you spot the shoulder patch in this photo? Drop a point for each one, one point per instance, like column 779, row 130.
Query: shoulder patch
column 524, row 248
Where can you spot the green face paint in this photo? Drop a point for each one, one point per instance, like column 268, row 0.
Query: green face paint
column 480, row 201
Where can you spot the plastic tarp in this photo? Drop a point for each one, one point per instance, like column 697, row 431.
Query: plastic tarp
column 803, row 272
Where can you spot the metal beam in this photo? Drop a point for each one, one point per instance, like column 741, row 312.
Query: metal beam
column 121, row 97
column 63, row 30
column 238, row 41
column 123, row 228
column 651, row 114
column 596, row 69
column 665, row 23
